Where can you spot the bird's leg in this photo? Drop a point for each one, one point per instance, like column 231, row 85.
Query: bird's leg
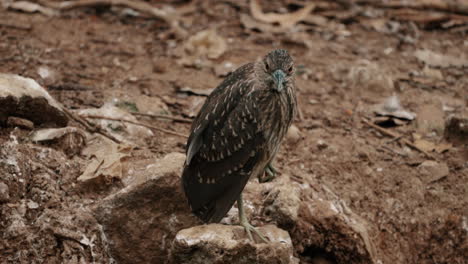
column 245, row 223
column 270, row 171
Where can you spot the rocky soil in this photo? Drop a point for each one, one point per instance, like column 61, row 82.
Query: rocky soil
column 96, row 102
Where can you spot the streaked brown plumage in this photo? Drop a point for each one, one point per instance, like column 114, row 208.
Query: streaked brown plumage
column 237, row 133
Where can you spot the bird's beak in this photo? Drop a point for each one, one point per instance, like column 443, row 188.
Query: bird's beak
column 278, row 78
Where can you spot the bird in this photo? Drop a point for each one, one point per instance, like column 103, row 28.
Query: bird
column 236, row 135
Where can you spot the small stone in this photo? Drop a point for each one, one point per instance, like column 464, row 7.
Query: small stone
column 224, row 69
column 32, row 205
column 4, row 193
column 282, row 202
column 433, row 73
column 47, row 74
column 20, row 96
column 432, row 171
column 293, row 135
column 321, row 144
column 313, row 102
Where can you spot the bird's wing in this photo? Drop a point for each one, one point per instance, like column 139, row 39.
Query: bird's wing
column 219, row 104
column 222, row 154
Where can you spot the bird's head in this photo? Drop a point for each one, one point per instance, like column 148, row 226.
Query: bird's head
column 276, row 69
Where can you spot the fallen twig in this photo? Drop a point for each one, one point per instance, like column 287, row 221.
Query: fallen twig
column 89, row 127
column 177, row 119
column 136, row 123
column 170, row 17
column 285, row 20
column 460, row 7
column 30, row 7
column 16, row 26
column 396, row 135
column 386, row 148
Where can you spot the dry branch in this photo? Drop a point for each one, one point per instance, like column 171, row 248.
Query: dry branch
column 91, row 128
column 176, row 119
column 169, row 16
column 451, row 6
column 285, row 20
column 136, row 123
column 396, row 135
column 15, row 25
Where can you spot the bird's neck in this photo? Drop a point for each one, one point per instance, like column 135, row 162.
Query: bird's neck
column 275, row 112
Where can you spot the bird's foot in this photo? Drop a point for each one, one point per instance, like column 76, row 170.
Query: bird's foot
column 250, row 228
column 270, row 173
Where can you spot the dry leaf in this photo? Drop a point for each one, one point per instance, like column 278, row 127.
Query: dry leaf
column 442, row 147
column 106, row 159
column 432, row 171
column 425, row 145
column 285, row 20
column 430, row 146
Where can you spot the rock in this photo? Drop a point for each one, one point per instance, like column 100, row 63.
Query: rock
column 326, row 226
column 224, row 69
column 217, row 243
column 171, row 163
column 432, row 58
column 4, row 193
column 141, row 220
column 432, row 171
column 70, row 140
column 23, row 97
column 293, row 135
column 322, row 144
column 282, row 202
column 32, row 205
column 49, row 75
column 433, row 73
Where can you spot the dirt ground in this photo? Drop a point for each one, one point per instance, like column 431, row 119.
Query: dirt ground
column 348, row 59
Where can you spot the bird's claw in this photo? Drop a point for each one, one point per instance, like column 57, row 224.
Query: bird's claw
column 250, row 228
column 270, row 173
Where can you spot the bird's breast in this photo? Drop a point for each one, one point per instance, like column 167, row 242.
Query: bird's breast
column 275, row 112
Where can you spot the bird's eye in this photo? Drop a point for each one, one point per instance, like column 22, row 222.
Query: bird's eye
column 290, row 69
column 267, row 67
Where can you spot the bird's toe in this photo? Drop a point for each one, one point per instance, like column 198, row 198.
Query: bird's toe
column 250, row 228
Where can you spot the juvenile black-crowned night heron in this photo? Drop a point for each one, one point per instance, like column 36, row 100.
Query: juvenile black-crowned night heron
column 236, row 135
